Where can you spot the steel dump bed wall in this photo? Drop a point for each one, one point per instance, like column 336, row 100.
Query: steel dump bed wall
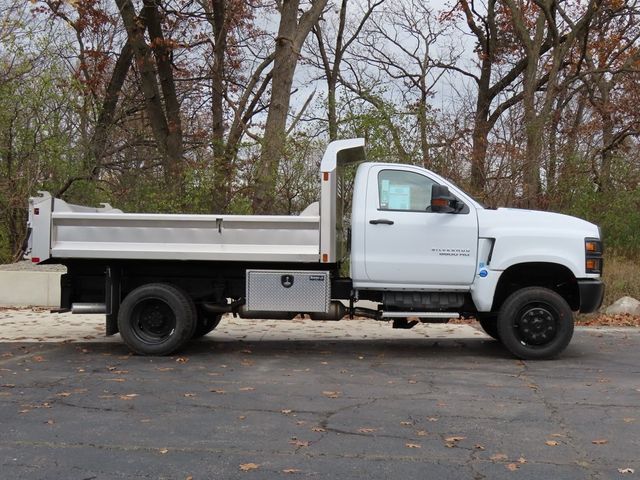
column 185, row 237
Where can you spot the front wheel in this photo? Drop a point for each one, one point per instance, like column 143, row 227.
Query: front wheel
column 535, row 323
column 489, row 323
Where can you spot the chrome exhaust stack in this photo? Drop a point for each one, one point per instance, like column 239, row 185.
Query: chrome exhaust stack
column 85, row 308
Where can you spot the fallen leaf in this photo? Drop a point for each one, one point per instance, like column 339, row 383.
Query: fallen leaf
column 498, row 457
column 291, row 470
column 629, row 420
column 189, row 395
column 432, row 419
column 412, row 382
column 286, row 411
column 8, row 385
column 513, row 467
column 219, row 390
column 551, row 443
column 182, row 360
column 245, row 467
column 422, row 433
column 478, row 446
column 129, row 396
column 163, row 451
column 50, row 422
column 246, row 389
column 626, row 470
column 601, row 441
column 367, row 430
column 522, row 460
column 299, row 443
column 406, row 423
column 318, row 429
column 38, row 358
column 412, row 445
column 241, row 417
column 329, row 394
column 301, row 422
column 164, row 369
column 454, row 439
column 558, row 435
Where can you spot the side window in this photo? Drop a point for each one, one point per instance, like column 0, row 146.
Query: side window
column 402, row 190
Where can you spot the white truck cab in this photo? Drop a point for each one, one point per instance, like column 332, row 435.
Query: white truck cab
column 417, row 245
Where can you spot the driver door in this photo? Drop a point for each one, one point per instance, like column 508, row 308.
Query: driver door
column 405, row 243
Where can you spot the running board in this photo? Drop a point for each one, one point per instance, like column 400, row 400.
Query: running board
column 420, row 314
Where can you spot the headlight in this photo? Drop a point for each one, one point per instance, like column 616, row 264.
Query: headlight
column 593, row 255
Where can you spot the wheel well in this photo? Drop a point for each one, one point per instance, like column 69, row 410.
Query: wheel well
column 539, row 274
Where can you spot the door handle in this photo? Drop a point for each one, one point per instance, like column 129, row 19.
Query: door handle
column 382, row 221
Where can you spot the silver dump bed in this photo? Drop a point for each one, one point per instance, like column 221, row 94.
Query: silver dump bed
column 63, row 231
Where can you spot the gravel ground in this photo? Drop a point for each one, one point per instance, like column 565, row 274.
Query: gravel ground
column 27, row 266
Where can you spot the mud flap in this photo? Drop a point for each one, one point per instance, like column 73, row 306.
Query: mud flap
column 112, row 299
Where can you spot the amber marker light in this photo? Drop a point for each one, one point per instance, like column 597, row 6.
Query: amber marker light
column 591, row 247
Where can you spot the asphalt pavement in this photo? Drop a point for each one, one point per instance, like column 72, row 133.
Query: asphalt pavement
column 303, row 399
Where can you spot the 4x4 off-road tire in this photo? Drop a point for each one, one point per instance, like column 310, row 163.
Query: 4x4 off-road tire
column 535, row 323
column 157, row 319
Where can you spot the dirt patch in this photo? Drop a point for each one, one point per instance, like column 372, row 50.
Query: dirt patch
column 602, row 320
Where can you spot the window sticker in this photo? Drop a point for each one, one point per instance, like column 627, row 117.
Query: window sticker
column 400, row 197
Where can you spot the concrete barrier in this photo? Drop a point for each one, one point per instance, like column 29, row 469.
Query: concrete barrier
column 29, row 289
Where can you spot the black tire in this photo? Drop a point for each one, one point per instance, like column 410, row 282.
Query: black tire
column 157, row 319
column 206, row 323
column 535, row 323
column 489, row 323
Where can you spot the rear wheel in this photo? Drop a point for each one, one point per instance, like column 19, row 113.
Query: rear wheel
column 535, row 323
column 206, row 323
column 157, row 319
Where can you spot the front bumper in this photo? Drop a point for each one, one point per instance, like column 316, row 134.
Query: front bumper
column 591, row 294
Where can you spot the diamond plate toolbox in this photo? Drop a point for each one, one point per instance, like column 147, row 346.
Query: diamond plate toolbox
column 288, row 291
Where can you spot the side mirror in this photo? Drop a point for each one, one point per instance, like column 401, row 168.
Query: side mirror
column 443, row 202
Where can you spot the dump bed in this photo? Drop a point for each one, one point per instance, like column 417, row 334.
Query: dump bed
column 62, row 231
column 82, row 232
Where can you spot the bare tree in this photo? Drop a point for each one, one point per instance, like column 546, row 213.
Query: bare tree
column 330, row 54
column 292, row 32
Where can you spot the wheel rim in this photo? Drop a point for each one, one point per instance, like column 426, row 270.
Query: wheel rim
column 153, row 321
column 536, row 325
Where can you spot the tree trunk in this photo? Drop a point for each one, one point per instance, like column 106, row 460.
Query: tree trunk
column 291, row 35
column 109, row 104
column 169, row 145
column 222, row 168
column 163, row 54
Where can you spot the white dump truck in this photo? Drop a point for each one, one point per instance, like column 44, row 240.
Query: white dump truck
column 416, row 245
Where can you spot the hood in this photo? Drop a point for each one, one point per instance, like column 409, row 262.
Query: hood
column 493, row 223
